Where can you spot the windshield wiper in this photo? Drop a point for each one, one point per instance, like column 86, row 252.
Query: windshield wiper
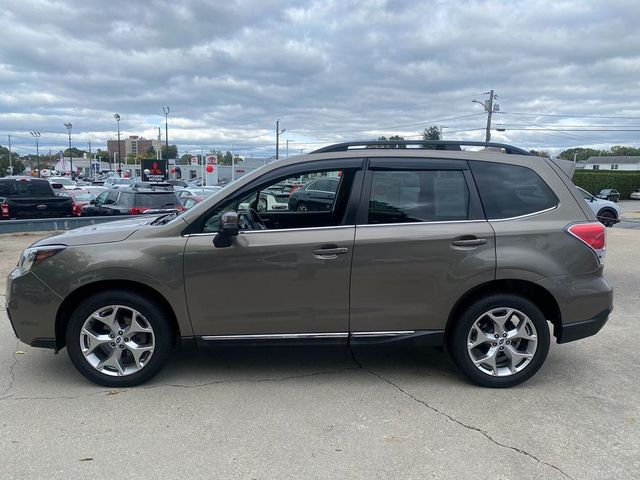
column 162, row 219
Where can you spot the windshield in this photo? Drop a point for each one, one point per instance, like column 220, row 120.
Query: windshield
column 586, row 195
column 25, row 188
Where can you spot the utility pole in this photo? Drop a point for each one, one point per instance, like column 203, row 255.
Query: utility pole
column 488, row 107
column 278, row 133
column 10, row 156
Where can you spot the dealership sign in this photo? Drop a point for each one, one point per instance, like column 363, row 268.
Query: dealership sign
column 154, row 170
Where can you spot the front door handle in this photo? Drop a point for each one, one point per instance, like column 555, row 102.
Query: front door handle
column 469, row 241
column 330, row 252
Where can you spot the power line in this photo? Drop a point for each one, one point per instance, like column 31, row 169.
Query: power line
column 373, row 129
column 569, row 115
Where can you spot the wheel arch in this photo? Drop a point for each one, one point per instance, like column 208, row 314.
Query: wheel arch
column 538, row 295
column 608, row 209
column 74, row 298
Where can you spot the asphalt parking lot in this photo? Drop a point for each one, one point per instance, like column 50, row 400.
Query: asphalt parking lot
column 323, row 413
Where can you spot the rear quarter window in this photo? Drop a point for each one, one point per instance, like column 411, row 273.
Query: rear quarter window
column 508, row 191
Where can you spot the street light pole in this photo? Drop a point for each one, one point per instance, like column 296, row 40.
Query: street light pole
column 278, row 133
column 117, row 117
column 36, row 135
column 68, row 125
column 165, row 110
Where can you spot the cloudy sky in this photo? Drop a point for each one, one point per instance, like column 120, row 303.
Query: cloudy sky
column 331, row 70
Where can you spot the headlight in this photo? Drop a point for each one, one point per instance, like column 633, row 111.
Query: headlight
column 35, row 255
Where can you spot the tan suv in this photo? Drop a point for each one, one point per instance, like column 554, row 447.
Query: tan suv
column 423, row 243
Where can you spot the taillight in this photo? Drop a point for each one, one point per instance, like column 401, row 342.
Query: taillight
column 591, row 234
column 137, row 210
column 76, row 210
column 4, row 208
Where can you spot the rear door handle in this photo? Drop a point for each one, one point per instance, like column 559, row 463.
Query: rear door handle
column 469, row 241
column 331, row 252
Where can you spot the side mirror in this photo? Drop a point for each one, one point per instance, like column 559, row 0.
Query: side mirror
column 228, row 229
column 92, row 202
column 262, row 204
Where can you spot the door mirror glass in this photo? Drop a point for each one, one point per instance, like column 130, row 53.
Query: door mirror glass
column 262, row 204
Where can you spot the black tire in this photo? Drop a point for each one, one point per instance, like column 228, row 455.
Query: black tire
column 302, row 207
column 458, row 337
column 607, row 218
column 155, row 316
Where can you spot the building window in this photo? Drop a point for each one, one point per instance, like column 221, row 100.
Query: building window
column 614, row 167
column 596, row 167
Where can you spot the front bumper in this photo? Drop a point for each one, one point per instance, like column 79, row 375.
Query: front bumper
column 32, row 307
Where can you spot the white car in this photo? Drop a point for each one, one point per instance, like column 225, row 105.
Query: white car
column 635, row 195
column 608, row 212
column 64, row 181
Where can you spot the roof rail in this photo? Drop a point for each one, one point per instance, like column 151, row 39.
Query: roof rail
column 419, row 144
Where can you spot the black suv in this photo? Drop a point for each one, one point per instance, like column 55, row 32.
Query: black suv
column 133, row 201
column 318, row 194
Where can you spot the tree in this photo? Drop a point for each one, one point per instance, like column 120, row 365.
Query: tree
column 540, row 153
column 173, row 152
column 391, row 138
column 622, row 151
column 75, row 152
column 102, row 156
column 432, row 133
column 185, row 159
column 581, row 154
column 18, row 165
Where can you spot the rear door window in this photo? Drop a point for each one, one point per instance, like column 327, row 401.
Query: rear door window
column 406, row 196
column 508, row 191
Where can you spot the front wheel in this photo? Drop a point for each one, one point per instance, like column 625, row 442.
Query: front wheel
column 500, row 341
column 607, row 218
column 118, row 339
column 302, row 207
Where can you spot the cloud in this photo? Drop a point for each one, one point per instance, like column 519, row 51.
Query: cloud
column 330, row 70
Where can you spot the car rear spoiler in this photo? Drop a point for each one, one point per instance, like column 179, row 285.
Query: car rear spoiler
column 567, row 166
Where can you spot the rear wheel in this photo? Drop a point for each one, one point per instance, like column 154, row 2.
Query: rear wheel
column 500, row 341
column 302, row 207
column 118, row 339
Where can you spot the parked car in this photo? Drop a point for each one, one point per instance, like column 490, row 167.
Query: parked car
column 190, row 201
column 608, row 194
column 117, row 182
column 66, row 182
column 479, row 251
column 80, row 199
column 130, row 201
column 607, row 212
column 635, row 195
column 316, row 195
column 178, row 183
column 30, row 197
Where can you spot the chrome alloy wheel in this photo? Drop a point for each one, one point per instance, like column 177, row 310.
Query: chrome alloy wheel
column 117, row 340
column 502, row 342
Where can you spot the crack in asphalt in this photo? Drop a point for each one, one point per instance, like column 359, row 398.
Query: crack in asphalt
column 11, row 372
column 184, row 386
column 484, row 433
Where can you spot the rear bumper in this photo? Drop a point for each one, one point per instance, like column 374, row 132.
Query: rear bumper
column 585, row 302
column 576, row 331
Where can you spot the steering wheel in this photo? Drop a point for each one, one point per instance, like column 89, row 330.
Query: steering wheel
column 250, row 220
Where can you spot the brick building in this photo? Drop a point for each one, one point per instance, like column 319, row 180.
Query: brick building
column 131, row 145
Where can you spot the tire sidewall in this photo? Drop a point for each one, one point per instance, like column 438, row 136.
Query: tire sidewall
column 458, row 339
column 155, row 315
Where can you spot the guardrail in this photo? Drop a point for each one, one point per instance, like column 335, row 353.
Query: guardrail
column 51, row 224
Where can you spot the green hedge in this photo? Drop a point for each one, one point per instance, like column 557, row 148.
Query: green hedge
column 594, row 180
